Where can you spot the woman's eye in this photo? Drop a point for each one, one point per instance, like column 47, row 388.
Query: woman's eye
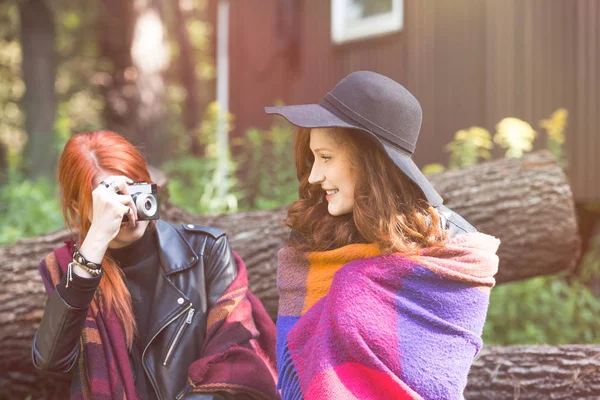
column 326, row 158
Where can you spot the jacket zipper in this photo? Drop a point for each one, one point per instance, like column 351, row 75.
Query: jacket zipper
column 187, row 322
column 154, row 337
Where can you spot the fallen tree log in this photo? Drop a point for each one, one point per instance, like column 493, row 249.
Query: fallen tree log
column 527, row 203
column 536, row 372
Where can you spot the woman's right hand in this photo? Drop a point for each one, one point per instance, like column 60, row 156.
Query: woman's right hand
column 110, row 204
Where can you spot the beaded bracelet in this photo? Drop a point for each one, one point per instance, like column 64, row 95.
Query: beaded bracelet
column 93, row 272
column 79, row 260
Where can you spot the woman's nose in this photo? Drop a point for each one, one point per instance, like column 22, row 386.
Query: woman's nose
column 315, row 176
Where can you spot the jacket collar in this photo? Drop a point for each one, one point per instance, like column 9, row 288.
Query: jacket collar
column 174, row 251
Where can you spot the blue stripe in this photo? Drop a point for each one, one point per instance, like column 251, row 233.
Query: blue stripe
column 288, row 378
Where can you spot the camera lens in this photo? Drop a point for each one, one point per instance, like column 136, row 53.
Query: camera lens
column 146, row 205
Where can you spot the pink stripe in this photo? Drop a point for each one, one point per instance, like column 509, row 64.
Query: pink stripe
column 355, row 381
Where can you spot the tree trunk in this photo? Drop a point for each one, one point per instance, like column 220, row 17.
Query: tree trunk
column 526, row 203
column 39, row 73
column 503, row 198
column 191, row 112
column 536, row 372
column 134, row 40
column 115, row 35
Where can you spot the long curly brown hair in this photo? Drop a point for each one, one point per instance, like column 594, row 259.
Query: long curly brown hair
column 389, row 209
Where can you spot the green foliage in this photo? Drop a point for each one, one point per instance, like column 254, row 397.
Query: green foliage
column 193, row 185
column 28, row 208
column 12, row 87
column 555, row 128
column 554, row 309
column 468, row 146
column 196, row 183
column 472, row 145
column 547, row 310
column 80, row 71
column 270, row 179
column 557, row 309
column 589, row 268
column 431, row 169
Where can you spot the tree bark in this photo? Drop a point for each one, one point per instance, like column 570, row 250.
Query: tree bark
column 134, row 40
column 191, row 112
column 526, row 203
column 536, row 372
column 115, row 34
column 39, row 73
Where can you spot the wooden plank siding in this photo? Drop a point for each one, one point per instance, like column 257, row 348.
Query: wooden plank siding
column 469, row 62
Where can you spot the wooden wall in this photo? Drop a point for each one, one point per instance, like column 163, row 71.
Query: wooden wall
column 469, row 62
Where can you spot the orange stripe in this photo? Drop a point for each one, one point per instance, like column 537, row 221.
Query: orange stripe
column 236, row 292
column 92, row 336
column 222, row 310
column 53, row 268
column 324, row 265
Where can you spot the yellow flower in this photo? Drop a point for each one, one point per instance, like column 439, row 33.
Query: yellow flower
column 556, row 124
column 515, row 135
column 468, row 146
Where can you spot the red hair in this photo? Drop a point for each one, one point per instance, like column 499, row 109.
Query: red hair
column 86, row 155
column 389, row 208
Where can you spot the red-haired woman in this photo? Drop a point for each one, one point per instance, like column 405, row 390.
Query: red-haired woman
column 141, row 308
column 383, row 289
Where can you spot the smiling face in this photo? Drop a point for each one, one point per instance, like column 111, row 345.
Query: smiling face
column 332, row 170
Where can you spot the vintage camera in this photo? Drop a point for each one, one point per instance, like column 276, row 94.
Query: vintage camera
column 145, row 197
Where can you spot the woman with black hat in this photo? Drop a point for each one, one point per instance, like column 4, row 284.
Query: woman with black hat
column 383, row 290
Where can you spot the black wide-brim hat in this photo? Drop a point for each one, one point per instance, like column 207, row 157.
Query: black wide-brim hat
column 374, row 104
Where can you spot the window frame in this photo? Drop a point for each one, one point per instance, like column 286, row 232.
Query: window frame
column 372, row 26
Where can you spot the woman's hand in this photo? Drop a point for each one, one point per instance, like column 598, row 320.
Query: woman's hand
column 111, row 202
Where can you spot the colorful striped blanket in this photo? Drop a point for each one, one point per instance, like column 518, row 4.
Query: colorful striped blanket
column 356, row 324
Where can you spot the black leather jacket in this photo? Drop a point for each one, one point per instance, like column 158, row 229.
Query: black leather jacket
column 453, row 223
column 197, row 265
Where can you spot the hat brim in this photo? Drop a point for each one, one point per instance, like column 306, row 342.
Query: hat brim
column 317, row 116
column 312, row 116
column 406, row 164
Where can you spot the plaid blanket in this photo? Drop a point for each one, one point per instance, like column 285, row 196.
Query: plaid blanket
column 356, row 324
column 237, row 352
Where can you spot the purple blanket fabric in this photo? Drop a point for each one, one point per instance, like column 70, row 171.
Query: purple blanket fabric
column 356, row 324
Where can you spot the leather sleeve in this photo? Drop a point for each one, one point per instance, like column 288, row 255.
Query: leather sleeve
column 453, row 222
column 56, row 342
column 220, row 268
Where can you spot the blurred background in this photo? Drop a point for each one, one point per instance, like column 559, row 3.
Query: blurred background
column 187, row 80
